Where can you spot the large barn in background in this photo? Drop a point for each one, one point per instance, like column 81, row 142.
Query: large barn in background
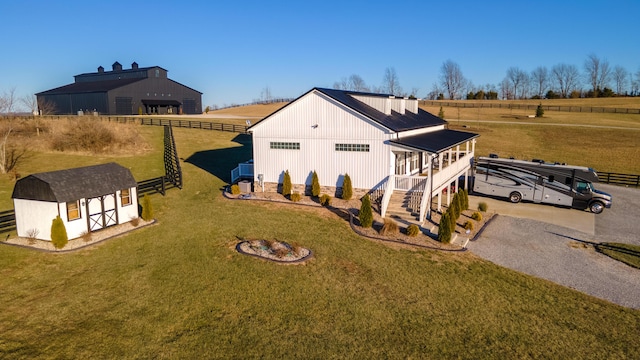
column 145, row 90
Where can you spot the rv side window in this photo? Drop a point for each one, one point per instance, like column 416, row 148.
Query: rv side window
column 551, row 178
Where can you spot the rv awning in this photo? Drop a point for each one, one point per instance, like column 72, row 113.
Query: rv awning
column 435, row 142
column 155, row 102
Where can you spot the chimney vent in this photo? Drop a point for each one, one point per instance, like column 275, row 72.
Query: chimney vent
column 117, row 66
column 100, row 69
column 134, row 65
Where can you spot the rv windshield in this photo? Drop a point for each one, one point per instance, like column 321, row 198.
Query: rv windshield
column 583, row 187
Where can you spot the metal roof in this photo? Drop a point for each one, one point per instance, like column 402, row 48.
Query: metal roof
column 436, row 141
column 395, row 122
column 74, row 184
column 90, row 86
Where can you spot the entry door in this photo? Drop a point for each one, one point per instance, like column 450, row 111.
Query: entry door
column 102, row 212
column 538, row 190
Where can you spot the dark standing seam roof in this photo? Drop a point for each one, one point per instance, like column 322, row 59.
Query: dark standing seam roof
column 90, row 87
column 437, row 141
column 74, row 184
column 396, row 122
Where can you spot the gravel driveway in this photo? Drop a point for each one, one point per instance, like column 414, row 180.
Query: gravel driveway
column 558, row 254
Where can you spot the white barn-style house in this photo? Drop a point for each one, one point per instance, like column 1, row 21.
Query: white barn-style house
column 386, row 144
column 87, row 199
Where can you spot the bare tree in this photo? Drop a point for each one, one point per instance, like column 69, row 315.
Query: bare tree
column 506, row 89
column 343, row 84
column 357, row 83
column 540, row 80
column 620, row 77
column 518, row 80
column 30, row 102
column 390, row 82
column 46, row 107
column 597, row 73
column 265, row 94
column 8, row 101
column 566, row 77
column 451, row 79
column 635, row 83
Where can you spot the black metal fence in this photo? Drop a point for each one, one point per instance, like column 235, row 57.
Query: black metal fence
column 619, row 179
column 172, row 169
column 500, row 105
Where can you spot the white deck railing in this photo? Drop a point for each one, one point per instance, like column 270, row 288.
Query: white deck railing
column 410, row 183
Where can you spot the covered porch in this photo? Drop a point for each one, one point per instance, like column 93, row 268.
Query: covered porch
column 427, row 164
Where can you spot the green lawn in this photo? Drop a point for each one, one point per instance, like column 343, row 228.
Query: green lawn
column 178, row 289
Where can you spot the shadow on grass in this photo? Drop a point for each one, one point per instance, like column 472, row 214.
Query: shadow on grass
column 220, row 162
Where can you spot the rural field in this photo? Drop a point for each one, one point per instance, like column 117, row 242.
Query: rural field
column 178, row 289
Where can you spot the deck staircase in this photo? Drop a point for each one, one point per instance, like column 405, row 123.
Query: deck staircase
column 404, row 207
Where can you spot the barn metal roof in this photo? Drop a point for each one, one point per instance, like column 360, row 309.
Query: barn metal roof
column 395, row 122
column 90, row 86
column 436, row 141
column 74, row 184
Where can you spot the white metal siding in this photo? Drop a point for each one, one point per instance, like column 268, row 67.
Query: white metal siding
column 31, row 214
column 128, row 212
column 335, row 124
column 75, row 228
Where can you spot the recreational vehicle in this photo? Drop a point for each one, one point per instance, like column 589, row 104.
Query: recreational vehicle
column 540, row 182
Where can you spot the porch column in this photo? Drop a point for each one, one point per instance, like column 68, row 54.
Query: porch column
column 407, row 163
column 457, row 152
column 448, row 194
column 430, row 184
column 450, row 154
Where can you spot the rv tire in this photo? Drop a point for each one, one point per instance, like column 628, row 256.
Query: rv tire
column 596, row 207
column 515, row 197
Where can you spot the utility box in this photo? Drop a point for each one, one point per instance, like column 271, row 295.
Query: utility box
column 245, row 186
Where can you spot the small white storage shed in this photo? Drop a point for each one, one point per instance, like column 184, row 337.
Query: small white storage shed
column 87, row 199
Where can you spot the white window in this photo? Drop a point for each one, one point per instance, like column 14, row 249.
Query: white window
column 353, row 147
column 285, row 145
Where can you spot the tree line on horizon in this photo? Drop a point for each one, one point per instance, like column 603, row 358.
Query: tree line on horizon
column 598, row 79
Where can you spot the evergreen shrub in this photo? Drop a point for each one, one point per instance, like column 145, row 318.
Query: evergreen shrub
column 476, row 216
column 315, row 185
column 59, row 236
column 366, row 213
column 413, row 230
column 147, row 208
column 468, row 225
column 539, row 111
column 347, row 188
column 325, row 200
column 286, row 184
column 235, row 189
column 482, row 206
column 444, row 229
column 295, row 197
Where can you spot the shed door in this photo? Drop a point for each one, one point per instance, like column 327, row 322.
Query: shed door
column 102, row 212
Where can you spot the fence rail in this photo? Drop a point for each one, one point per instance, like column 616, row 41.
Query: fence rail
column 7, row 221
column 619, row 179
column 495, row 105
column 192, row 124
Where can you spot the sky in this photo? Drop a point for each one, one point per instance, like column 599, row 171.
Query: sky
column 232, row 50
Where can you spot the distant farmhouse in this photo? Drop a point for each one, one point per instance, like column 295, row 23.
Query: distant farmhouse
column 137, row 90
column 384, row 143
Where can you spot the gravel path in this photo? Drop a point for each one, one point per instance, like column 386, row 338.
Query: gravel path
column 558, row 253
